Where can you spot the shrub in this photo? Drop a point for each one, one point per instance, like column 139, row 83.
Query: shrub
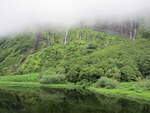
column 144, row 66
column 129, row 73
column 146, row 34
column 141, row 85
column 113, row 73
column 83, row 83
column 105, row 82
column 145, row 83
column 73, row 73
column 50, row 77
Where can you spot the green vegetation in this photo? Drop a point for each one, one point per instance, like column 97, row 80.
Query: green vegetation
column 133, row 90
column 50, row 77
column 13, row 51
column 89, row 59
column 122, row 61
column 88, row 55
column 30, row 80
column 146, row 34
column 105, row 82
column 32, row 77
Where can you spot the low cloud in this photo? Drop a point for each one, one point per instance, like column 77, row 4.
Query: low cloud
column 16, row 15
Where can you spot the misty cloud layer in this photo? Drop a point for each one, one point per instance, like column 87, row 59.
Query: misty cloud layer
column 16, row 15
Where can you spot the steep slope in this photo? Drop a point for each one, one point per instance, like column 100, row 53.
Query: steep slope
column 87, row 55
column 93, row 55
column 80, row 43
column 15, row 49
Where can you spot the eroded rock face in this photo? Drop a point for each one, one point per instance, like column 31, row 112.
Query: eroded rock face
column 126, row 28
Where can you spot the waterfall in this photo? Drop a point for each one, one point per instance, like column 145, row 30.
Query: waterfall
column 66, row 36
column 130, row 35
column 134, row 35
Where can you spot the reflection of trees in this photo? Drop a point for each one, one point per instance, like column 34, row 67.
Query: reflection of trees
column 48, row 100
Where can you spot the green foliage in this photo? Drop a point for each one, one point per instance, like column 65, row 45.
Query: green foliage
column 117, row 61
column 84, row 83
column 51, row 77
column 138, row 86
column 144, row 84
column 13, row 51
column 87, row 56
column 144, row 66
column 129, row 90
column 105, row 82
column 32, row 77
column 146, row 34
column 86, row 59
column 129, row 74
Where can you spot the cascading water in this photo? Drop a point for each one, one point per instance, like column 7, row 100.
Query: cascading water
column 66, row 36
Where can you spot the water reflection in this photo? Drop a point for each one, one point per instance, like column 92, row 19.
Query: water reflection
column 48, row 100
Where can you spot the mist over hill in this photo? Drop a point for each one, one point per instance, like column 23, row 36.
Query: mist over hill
column 17, row 16
column 76, row 40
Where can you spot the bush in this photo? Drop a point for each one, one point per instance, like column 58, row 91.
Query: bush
column 130, row 73
column 145, row 83
column 105, row 82
column 84, row 83
column 146, row 34
column 50, row 77
column 144, row 66
column 141, row 85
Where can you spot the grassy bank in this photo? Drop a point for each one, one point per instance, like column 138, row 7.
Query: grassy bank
column 132, row 90
column 37, row 84
column 32, row 77
column 123, row 92
column 29, row 80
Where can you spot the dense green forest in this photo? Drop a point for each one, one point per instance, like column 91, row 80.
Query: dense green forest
column 82, row 57
column 74, row 56
column 88, row 55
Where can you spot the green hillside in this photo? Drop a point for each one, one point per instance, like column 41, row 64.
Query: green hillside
column 15, row 49
column 100, row 62
column 87, row 56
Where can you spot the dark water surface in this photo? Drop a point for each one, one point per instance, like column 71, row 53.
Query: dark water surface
column 50, row 100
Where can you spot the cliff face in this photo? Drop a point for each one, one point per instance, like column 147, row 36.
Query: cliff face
column 127, row 28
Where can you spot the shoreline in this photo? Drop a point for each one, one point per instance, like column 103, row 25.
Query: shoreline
column 122, row 92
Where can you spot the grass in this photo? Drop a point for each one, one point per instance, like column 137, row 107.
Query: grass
column 37, row 84
column 105, row 82
column 133, row 90
column 30, row 80
column 32, row 77
column 123, row 93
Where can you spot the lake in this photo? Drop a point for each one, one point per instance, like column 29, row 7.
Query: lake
column 54, row 100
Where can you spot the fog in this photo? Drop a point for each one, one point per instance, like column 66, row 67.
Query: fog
column 17, row 15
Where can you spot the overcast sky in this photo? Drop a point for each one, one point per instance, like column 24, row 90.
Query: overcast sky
column 16, row 15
